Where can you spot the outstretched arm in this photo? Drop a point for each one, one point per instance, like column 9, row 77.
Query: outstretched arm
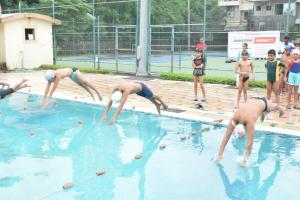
column 49, row 91
column 46, row 93
column 119, row 108
column 107, row 108
column 225, row 140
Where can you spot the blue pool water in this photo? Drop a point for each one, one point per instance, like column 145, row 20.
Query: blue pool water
column 61, row 150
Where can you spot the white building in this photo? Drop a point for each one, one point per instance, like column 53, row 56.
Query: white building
column 26, row 40
column 261, row 15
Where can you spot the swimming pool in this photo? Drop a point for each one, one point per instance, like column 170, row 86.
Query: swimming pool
column 40, row 150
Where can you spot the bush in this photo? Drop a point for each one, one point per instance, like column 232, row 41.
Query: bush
column 82, row 69
column 208, row 79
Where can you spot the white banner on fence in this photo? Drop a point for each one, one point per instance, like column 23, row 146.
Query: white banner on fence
column 258, row 42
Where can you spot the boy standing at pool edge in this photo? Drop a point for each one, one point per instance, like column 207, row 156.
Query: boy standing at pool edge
column 198, row 73
column 293, row 79
column 242, row 68
column 275, row 70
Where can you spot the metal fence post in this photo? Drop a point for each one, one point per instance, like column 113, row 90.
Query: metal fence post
column 116, row 48
column 172, row 49
column 180, row 57
column 98, row 32
column 94, row 36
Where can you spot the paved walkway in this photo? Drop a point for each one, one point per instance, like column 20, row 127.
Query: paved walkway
column 178, row 95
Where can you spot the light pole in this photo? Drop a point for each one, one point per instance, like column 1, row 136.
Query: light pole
column 94, row 38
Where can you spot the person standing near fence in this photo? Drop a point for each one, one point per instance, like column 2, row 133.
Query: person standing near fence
column 286, row 44
column 239, row 57
column 198, row 73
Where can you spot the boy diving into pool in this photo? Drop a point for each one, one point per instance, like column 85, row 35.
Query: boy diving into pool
column 124, row 90
column 8, row 89
column 54, row 76
column 247, row 115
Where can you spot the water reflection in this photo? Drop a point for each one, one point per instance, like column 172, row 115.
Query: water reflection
column 249, row 187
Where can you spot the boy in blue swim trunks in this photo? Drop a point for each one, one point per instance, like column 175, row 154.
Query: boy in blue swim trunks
column 293, row 70
column 54, row 76
column 8, row 89
column 132, row 88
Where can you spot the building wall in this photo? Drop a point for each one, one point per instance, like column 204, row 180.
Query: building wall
column 2, row 45
column 29, row 54
column 257, row 15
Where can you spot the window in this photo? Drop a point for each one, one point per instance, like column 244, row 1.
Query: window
column 246, row 15
column 269, row 7
column 279, row 9
column 258, row 8
column 29, row 34
column 261, row 26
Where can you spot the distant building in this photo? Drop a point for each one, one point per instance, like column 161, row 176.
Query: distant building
column 26, row 40
column 261, row 15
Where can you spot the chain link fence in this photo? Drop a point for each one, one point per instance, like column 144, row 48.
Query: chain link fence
column 87, row 38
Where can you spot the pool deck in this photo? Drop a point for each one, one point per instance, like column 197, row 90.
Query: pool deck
column 178, row 95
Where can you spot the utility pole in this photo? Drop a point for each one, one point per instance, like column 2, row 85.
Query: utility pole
column 189, row 23
column 144, row 47
column 287, row 27
column 204, row 23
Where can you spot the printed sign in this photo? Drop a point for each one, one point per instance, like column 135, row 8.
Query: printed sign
column 259, row 43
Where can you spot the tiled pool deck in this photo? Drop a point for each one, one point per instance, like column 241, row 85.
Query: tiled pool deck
column 178, row 95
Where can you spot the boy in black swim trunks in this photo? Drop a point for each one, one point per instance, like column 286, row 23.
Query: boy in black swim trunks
column 8, row 89
column 274, row 70
column 244, row 65
column 247, row 115
column 132, row 88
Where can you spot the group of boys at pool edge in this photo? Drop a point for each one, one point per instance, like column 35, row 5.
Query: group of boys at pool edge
column 288, row 69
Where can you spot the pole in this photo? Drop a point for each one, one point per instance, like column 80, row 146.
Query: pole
column 204, row 23
column 73, row 24
column 20, row 6
column 94, row 36
column 137, row 35
column 172, row 49
column 288, row 19
column 54, row 33
column 116, row 48
column 144, row 38
column 189, row 26
column 98, row 31
column 204, row 30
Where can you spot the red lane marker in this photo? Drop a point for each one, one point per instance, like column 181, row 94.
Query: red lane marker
column 32, row 134
column 100, row 172
column 68, row 185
